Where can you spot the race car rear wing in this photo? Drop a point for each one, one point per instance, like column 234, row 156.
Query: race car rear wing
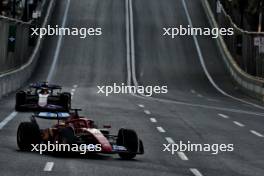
column 52, row 115
column 44, row 85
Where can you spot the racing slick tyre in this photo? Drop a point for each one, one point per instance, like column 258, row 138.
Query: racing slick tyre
column 141, row 147
column 65, row 99
column 129, row 139
column 20, row 100
column 28, row 133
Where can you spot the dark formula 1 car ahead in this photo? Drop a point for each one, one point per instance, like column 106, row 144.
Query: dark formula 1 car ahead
column 74, row 129
column 43, row 97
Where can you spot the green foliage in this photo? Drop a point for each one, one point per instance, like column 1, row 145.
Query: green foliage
column 244, row 12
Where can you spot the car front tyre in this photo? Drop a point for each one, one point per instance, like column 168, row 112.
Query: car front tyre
column 129, row 139
column 28, row 133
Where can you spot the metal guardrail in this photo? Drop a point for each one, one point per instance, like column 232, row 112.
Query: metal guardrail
column 247, row 48
column 12, row 80
column 238, row 50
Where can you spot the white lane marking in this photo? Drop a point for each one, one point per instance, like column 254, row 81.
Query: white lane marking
column 7, row 119
column 199, row 95
column 57, row 51
column 223, row 115
column 196, row 172
column 214, row 100
column 256, row 133
column 246, row 105
column 238, row 123
column 72, row 93
column 128, row 45
column 73, row 90
column 75, row 86
column 161, row 130
column 173, row 101
column 131, row 68
column 201, row 58
column 153, row 120
column 193, row 91
column 182, row 156
column 169, row 140
column 147, row 112
column 132, row 44
column 48, row 166
column 200, row 105
column 141, row 105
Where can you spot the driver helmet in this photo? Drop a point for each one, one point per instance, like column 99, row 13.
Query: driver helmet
column 44, row 91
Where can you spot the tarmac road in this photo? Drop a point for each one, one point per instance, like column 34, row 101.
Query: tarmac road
column 193, row 110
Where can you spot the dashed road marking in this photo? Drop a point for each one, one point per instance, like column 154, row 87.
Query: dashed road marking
column 238, row 123
column 72, row 93
column 141, row 105
column 196, row 172
column 153, row 120
column 161, row 130
column 170, row 140
column 75, row 86
column 73, row 90
column 48, row 167
column 256, row 133
column 7, row 119
column 223, row 115
column 193, row 91
column 147, row 112
column 182, row 156
column 200, row 95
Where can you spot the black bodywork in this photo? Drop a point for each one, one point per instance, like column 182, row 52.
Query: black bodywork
column 27, row 100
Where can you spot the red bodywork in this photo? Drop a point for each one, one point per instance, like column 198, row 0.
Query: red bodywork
column 82, row 127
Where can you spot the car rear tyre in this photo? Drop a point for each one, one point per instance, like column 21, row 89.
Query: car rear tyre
column 141, row 147
column 20, row 100
column 28, row 133
column 129, row 139
column 65, row 98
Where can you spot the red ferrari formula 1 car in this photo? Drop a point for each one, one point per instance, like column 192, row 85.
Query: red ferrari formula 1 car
column 74, row 129
column 43, row 97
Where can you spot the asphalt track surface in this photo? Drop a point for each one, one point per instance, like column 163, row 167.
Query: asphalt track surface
column 193, row 110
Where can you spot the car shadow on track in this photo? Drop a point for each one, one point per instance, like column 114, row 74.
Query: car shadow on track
column 72, row 155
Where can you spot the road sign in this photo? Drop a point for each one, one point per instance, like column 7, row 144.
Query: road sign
column 12, row 38
column 259, row 42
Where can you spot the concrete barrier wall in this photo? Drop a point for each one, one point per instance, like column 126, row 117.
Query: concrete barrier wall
column 12, row 59
column 13, row 80
column 250, row 85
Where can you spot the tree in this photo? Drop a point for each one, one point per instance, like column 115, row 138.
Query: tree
column 245, row 12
